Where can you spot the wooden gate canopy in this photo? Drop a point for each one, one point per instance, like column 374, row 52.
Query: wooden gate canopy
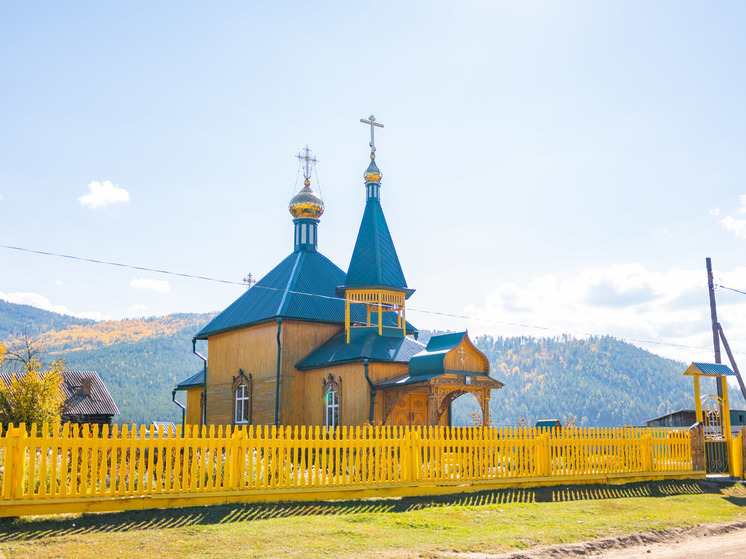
column 450, row 366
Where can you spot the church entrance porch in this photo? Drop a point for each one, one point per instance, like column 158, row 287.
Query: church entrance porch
column 426, row 402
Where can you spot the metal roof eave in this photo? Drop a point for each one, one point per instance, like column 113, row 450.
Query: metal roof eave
column 709, row 370
column 269, row 320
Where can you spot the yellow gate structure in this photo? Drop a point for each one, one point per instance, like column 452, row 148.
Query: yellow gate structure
column 714, row 414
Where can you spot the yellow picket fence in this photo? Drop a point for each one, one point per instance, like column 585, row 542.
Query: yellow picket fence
column 79, row 468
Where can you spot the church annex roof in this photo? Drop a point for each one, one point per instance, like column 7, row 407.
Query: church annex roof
column 300, row 287
column 374, row 261
column 365, row 343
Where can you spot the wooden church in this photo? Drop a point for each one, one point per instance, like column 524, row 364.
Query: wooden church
column 309, row 344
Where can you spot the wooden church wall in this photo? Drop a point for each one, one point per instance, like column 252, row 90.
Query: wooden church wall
column 193, row 409
column 254, row 350
column 298, row 339
column 354, row 391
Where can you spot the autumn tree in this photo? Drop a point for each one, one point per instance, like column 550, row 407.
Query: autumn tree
column 33, row 395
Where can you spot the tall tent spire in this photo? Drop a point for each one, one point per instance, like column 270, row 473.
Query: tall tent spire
column 375, row 276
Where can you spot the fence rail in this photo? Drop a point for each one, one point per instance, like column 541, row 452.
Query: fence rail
column 87, row 464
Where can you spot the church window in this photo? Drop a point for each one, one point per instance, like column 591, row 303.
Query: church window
column 242, row 404
column 331, row 403
column 242, row 386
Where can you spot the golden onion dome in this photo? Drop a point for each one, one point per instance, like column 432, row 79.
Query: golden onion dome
column 372, row 174
column 306, row 204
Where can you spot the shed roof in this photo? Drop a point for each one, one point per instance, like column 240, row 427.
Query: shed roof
column 197, row 379
column 97, row 402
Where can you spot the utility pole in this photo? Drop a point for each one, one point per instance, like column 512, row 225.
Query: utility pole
column 714, row 316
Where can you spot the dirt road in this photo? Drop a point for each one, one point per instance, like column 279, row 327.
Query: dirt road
column 715, row 541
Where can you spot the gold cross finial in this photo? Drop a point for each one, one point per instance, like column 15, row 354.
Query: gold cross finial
column 372, row 122
column 307, row 160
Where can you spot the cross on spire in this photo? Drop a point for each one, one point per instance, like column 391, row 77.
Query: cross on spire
column 307, row 160
column 373, row 123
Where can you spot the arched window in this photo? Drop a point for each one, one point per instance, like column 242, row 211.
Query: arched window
column 331, row 403
column 242, row 398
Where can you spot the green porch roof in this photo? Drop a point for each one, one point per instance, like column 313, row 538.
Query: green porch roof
column 432, row 358
column 365, row 343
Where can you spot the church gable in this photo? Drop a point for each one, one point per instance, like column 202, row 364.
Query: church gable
column 449, row 353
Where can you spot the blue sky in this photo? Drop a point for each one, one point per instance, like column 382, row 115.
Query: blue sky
column 547, row 167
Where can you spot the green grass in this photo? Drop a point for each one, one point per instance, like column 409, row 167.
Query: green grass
column 492, row 522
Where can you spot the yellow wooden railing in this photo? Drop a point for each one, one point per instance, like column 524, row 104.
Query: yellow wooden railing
column 81, row 468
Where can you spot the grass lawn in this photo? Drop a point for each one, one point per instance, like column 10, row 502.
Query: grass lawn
column 491, row 522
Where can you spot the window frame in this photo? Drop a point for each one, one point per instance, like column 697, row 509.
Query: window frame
column 243, row 396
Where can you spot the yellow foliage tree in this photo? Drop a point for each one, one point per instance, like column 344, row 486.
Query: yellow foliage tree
column 33, row 396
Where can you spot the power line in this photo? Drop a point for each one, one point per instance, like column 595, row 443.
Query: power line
column 120, row 265
column 334, row 298
column 730, row 289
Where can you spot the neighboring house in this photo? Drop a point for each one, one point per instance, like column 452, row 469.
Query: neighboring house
column 687, row 418
column 86, row 398
column 311, row 345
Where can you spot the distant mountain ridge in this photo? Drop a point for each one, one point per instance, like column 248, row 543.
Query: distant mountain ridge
column 598, row 381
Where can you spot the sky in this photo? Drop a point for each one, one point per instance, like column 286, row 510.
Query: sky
column 548, row 168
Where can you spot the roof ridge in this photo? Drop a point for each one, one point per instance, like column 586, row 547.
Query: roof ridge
column 292, row 279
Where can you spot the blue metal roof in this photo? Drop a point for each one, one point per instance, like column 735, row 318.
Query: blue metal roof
column 195, row 380
column 374, row 261
column 301, row 287
column 365, row 343
column 711, row 369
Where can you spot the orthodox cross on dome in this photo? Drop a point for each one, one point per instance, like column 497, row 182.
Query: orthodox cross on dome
column 308, row 161
column 249, row 281
column 373, row 123
column 462, row 354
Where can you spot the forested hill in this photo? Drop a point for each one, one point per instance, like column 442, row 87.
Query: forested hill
column 25, row 320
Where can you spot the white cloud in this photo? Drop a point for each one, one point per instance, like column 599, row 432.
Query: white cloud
column 93, row 315
column 137, row 309
column 715, row 212
column 159, row 286
column 103, row 194
column 738, row 226
column 627, row 301
column 41, row 302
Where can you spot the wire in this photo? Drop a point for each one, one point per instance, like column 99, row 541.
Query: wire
column 341, row 299
column 730, row 289
column 142, row 268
